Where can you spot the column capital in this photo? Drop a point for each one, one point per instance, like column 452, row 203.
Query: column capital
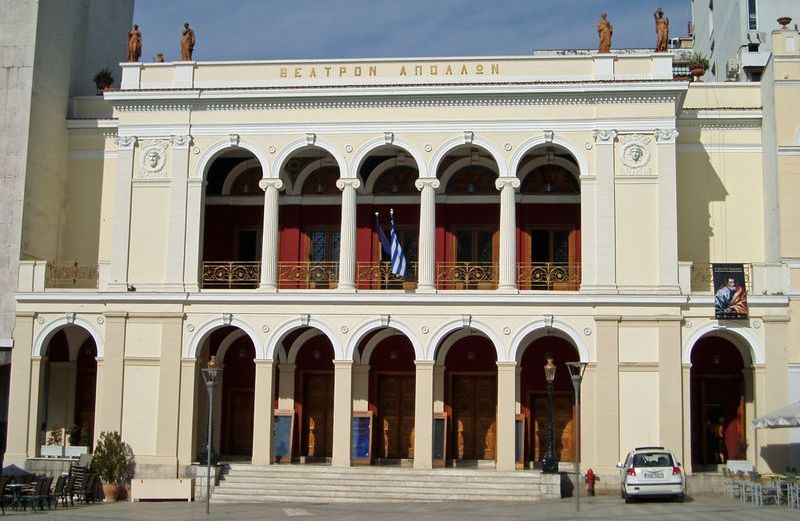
column 506, row 366
column 665, row 136
column 181, row 142
column 424, row 364
column 422, row 182
column 606, row 136
column 502, row 182
column 341, row 183
column 125, row 142
column 265, row 183
column 342, row 363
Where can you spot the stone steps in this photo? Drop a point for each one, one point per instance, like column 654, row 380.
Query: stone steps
column 323, row 484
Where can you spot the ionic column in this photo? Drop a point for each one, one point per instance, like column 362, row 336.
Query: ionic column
column 506, row 417
column 667, row 210
column 508, row 224
column 20, row 406
column 423, row 415
column 176, row 241
column 270, row 243
column 426, row 267
column 262, row 413
column 347, row 239
column 121, row 227
column 601, row 275
column 342, row 411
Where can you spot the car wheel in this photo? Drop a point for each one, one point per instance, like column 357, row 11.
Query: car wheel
column 681, row 498
column 628, row 499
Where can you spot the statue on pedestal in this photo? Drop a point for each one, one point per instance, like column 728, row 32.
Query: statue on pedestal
column 134, row 44
column 662, row 30
column 187, row 43
column 604, row 31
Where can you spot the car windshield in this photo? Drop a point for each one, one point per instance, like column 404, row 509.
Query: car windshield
column 653, row 459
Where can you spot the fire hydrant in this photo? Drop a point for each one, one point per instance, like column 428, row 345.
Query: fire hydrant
column 590, row 477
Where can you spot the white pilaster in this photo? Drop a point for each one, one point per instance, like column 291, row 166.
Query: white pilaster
column 176, row 242
column 121, row 227
column 508, row 225
column 342, row 412
column 602, row 258
column 667, row 210
column 270, row 237
column 506, row 408
column 195, row 214
column 423, row 415
column 262, row 413
column 347, row 240
column 426, row 269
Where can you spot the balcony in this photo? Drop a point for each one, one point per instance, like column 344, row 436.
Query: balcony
column 702, row 278
column 377, row 276
column 549, row 276
column 466, row 275
column 71, row 275
column 308, row 275
column 231, row 275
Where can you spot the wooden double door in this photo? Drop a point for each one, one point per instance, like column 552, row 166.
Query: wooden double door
column 563, row 425
column 474, row 402
column 237, row 439
column 395, row 432
column 316, row 436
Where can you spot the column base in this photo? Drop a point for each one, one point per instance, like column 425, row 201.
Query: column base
column 508, row 288
column 267, row 288
column 426, row 288
column 346, row 287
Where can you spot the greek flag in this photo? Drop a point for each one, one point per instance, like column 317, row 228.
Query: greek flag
column 392, row 248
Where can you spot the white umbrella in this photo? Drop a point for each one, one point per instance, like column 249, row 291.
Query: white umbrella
column 789, row 416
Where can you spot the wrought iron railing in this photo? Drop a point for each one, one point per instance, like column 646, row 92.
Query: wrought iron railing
column 308, row 275
column 702, row 278
column 558, row 276
column 71, row 275
column 231, row 275
column 378, row 275
column 466, row 275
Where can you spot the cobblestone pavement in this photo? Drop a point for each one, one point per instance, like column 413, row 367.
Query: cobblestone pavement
column 596, row 508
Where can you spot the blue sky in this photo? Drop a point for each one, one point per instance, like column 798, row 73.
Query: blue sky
column 322, row 29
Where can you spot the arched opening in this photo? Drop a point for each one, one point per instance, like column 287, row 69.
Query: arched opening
column 233, row 220
column 233, row 400
column 719, row 392
column 388, row 174
column 533, row 397
column 549, row 220
column 470, row 398
column 391, row 386
column 310, row 221
column 467, row 220
column 67, row 411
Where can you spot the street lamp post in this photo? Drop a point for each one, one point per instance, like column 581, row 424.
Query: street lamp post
column 576, row 370
column 550, row 460
column 212, row 374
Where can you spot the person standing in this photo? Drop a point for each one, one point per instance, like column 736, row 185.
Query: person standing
column 187, row 43
column 134, row 44
column 662, row 30
column 604, row 30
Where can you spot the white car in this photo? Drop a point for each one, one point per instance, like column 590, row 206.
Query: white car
column 651, row 472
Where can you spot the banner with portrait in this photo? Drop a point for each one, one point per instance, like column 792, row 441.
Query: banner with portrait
column 730, row 291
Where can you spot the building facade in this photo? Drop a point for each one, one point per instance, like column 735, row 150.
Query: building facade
column 565, row 207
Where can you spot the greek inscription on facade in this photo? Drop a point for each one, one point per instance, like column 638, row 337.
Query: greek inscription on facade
column 350, row 71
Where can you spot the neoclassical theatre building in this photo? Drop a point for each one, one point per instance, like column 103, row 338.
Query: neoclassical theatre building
column 570, row 206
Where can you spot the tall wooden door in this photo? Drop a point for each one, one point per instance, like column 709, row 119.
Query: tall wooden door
column 396, row 416
column 563, row 425
column 239, row 422
column 317, row 433
column 474, row 399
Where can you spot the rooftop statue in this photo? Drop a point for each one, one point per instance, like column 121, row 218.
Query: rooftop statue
column 662, row 30
column 187, row 43
column 604, row 31
column 134, row 44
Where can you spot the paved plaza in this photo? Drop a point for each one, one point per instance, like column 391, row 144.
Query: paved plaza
column 597, row 508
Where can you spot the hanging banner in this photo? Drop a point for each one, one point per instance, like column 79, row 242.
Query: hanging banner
column 730, row 297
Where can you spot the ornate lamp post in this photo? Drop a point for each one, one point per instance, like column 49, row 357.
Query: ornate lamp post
column 576, row 370
column 212, row 374
column 550, row 460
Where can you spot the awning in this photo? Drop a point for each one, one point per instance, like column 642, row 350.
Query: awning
column 789, row 416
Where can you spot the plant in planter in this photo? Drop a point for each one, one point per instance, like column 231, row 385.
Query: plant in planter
column 103, row 79
column 113, row 459
column 74, row 435
column 698, row 65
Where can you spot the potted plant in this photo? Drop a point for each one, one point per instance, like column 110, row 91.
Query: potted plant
column 698, row 65
column 103, row 79
column 113, row 459
column 54, row 444
column 784, row 21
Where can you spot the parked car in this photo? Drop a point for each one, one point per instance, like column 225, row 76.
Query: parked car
column 651, row 472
